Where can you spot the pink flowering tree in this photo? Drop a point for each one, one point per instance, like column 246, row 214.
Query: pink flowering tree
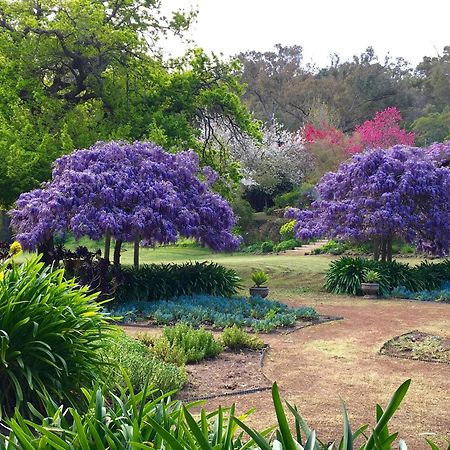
column 129, row 192
column 383, row 131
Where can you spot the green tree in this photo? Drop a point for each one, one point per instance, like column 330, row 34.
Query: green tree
column 434, row 127
column 73, row 72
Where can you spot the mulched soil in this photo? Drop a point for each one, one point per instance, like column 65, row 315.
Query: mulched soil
column 418, row 345
column 225, row 375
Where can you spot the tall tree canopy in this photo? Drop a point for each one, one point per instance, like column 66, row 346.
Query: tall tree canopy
column 73, row 72
column 129, row 192
column 281, row 85
column 379, row 195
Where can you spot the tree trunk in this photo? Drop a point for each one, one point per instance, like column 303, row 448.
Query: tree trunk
column 107, row 246
column 383, row 250
column 376, row 249
column 389, row 250
column 5, row 229
column 117, row 248
column 136, row 253
column 46, row 249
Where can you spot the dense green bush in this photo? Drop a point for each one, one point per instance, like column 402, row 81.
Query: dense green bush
column 131, row 420
column 164, row 281
column 400, row 274
column 345, row 275
column 301, row 197
column 50, row 335
column 431, row 275
column 181, row 344
column 290, row 244
column 332, row 247
column 267, row 247
column 235, row 338
column 287, row 230
column 127, row 353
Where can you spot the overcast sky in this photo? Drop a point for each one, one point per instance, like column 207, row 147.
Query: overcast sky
column 407, row 28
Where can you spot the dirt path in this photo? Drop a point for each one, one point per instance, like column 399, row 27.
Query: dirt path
column 317, row 365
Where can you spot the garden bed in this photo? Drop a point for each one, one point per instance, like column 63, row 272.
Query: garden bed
column 230, row 373
column 418, row 345
column 253, row 314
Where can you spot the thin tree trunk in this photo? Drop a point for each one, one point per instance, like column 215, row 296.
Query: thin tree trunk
column 47, row 248
column 117, row 248
column 376, row 249
column 136, row 253
column 107, row 246
column 389, row 250
column 5, row 227
column 383, row 250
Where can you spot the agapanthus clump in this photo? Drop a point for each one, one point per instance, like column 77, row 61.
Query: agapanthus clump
column 379, row 195
column 129, row 192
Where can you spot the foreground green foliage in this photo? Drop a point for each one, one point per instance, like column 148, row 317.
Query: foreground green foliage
column 182, row 344
column 51, row 334
column 164, row 281
column 131, row 421
column 259, row 314
column 345, row 275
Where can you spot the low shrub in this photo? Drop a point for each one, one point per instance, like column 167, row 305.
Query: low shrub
column 432, row 275
column 181, row 344
column 216, row 311
column 235, row 338
column 51, row 331
column 332, row 247
column 441, row 294
column 287, row 245
column 164, row 281
column 253, row 248
column 127, row 353
column 267, row 247
column 345, row 275
column 400, row 274
column 287, row 230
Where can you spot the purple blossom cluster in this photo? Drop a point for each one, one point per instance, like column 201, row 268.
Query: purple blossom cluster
column 130, row 191
column 402, row 192
column 440, row 152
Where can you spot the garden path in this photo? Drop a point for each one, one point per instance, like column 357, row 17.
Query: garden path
column 307, row 248
column 315, row 366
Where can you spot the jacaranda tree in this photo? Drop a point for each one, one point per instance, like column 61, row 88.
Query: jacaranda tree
column 130, row 192
column 378, row 195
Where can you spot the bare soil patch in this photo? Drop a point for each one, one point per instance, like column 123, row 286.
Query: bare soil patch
column 419, row 346
column 227, row 374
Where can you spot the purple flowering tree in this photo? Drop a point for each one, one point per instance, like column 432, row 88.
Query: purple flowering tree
column 129, row 192
column 379, row 195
